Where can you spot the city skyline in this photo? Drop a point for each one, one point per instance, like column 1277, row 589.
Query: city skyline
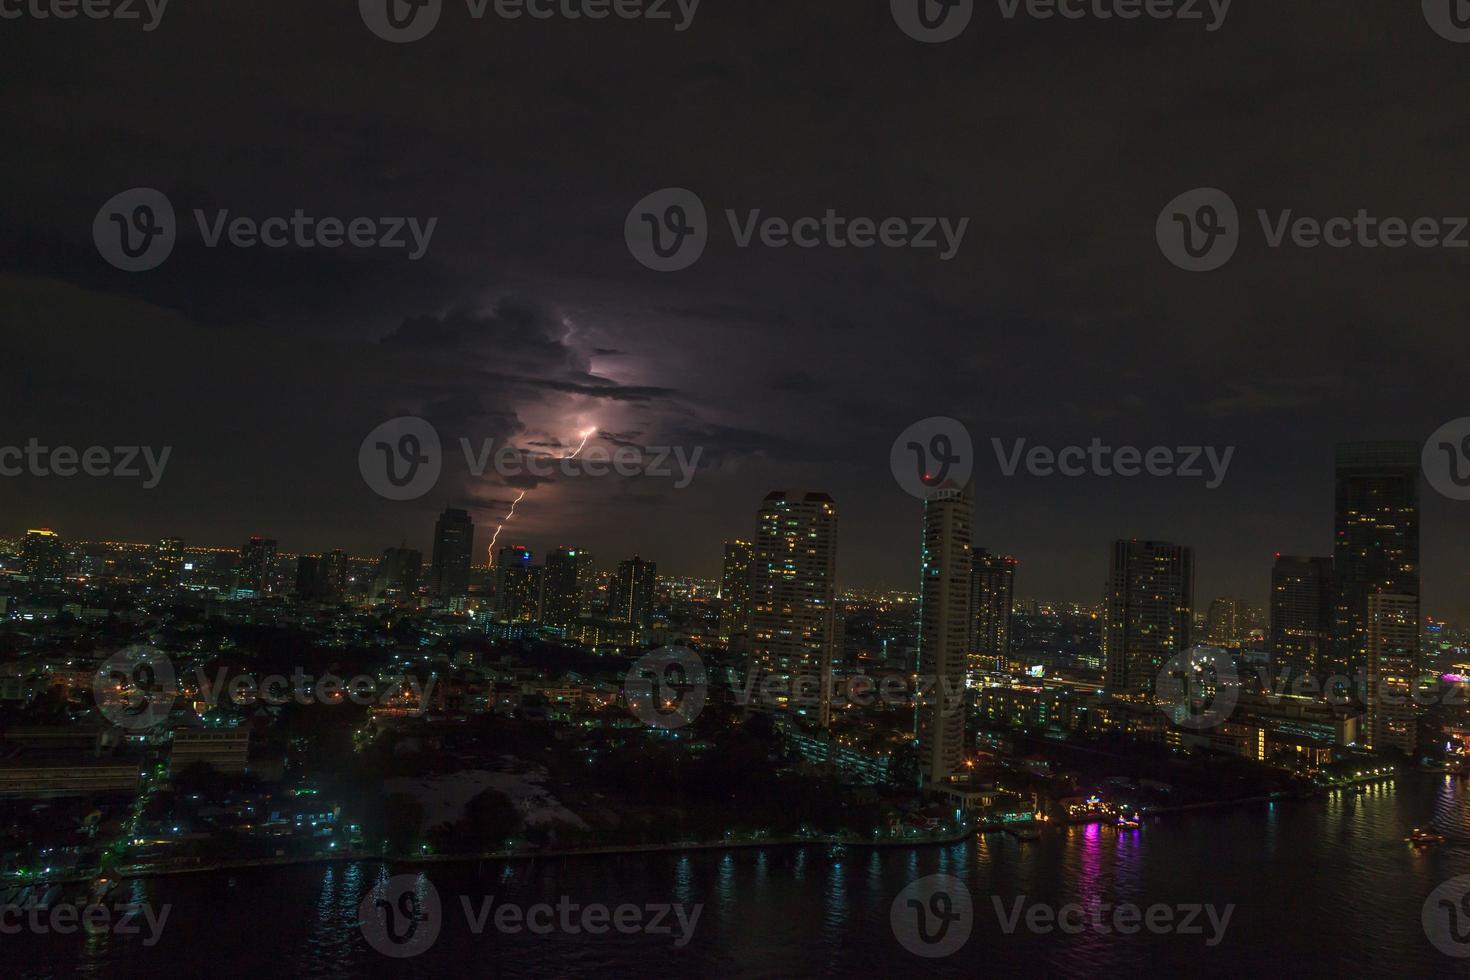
column 516, row 328
column 711, row 569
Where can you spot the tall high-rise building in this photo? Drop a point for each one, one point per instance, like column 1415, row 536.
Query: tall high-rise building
column 1148, row 612
column 792, row 597
column 322, row 577
column 1392, row 628
column 1376, row 538
column 309, row 577
column 992, row 593
column 945, row 628
column 517, row 585
column 332, row 573
column 399, row 573
column 1227, row 623
column 735, row 589
column 454, row 542
column 256, row 568
column 1301, row 615
column 565, row 584
column 43, row 555
column 630, row 596
column 168, row 565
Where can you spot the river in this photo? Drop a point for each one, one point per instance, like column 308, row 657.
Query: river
column 1316, row 887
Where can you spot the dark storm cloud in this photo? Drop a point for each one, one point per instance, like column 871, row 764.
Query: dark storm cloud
column 1057, row 321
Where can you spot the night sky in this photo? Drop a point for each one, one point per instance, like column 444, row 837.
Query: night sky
column 529, row 320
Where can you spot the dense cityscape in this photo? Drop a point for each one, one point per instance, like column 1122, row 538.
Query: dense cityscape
column 171, row 708
column 736, row 489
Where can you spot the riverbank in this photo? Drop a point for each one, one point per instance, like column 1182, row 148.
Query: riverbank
column 616, row 850
column 610, row 850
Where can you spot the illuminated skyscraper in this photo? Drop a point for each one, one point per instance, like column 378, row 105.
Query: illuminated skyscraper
column 992, row 593
column 630, row 595
column 1148, row 612
column 517, row 585
column 945, row 628
column 1376, row 543
column 43, row 556
column 1225, row 624
column 735, row 589
column 332, row 572
column 792, row 589
column 1392, row 633
column 454, row 542
column 1301, row 615
column 256, row 569
column 168, row 565
column 565, row 584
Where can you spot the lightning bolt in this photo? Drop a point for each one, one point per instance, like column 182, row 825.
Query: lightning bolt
column 503, row 521
column 586, row 435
